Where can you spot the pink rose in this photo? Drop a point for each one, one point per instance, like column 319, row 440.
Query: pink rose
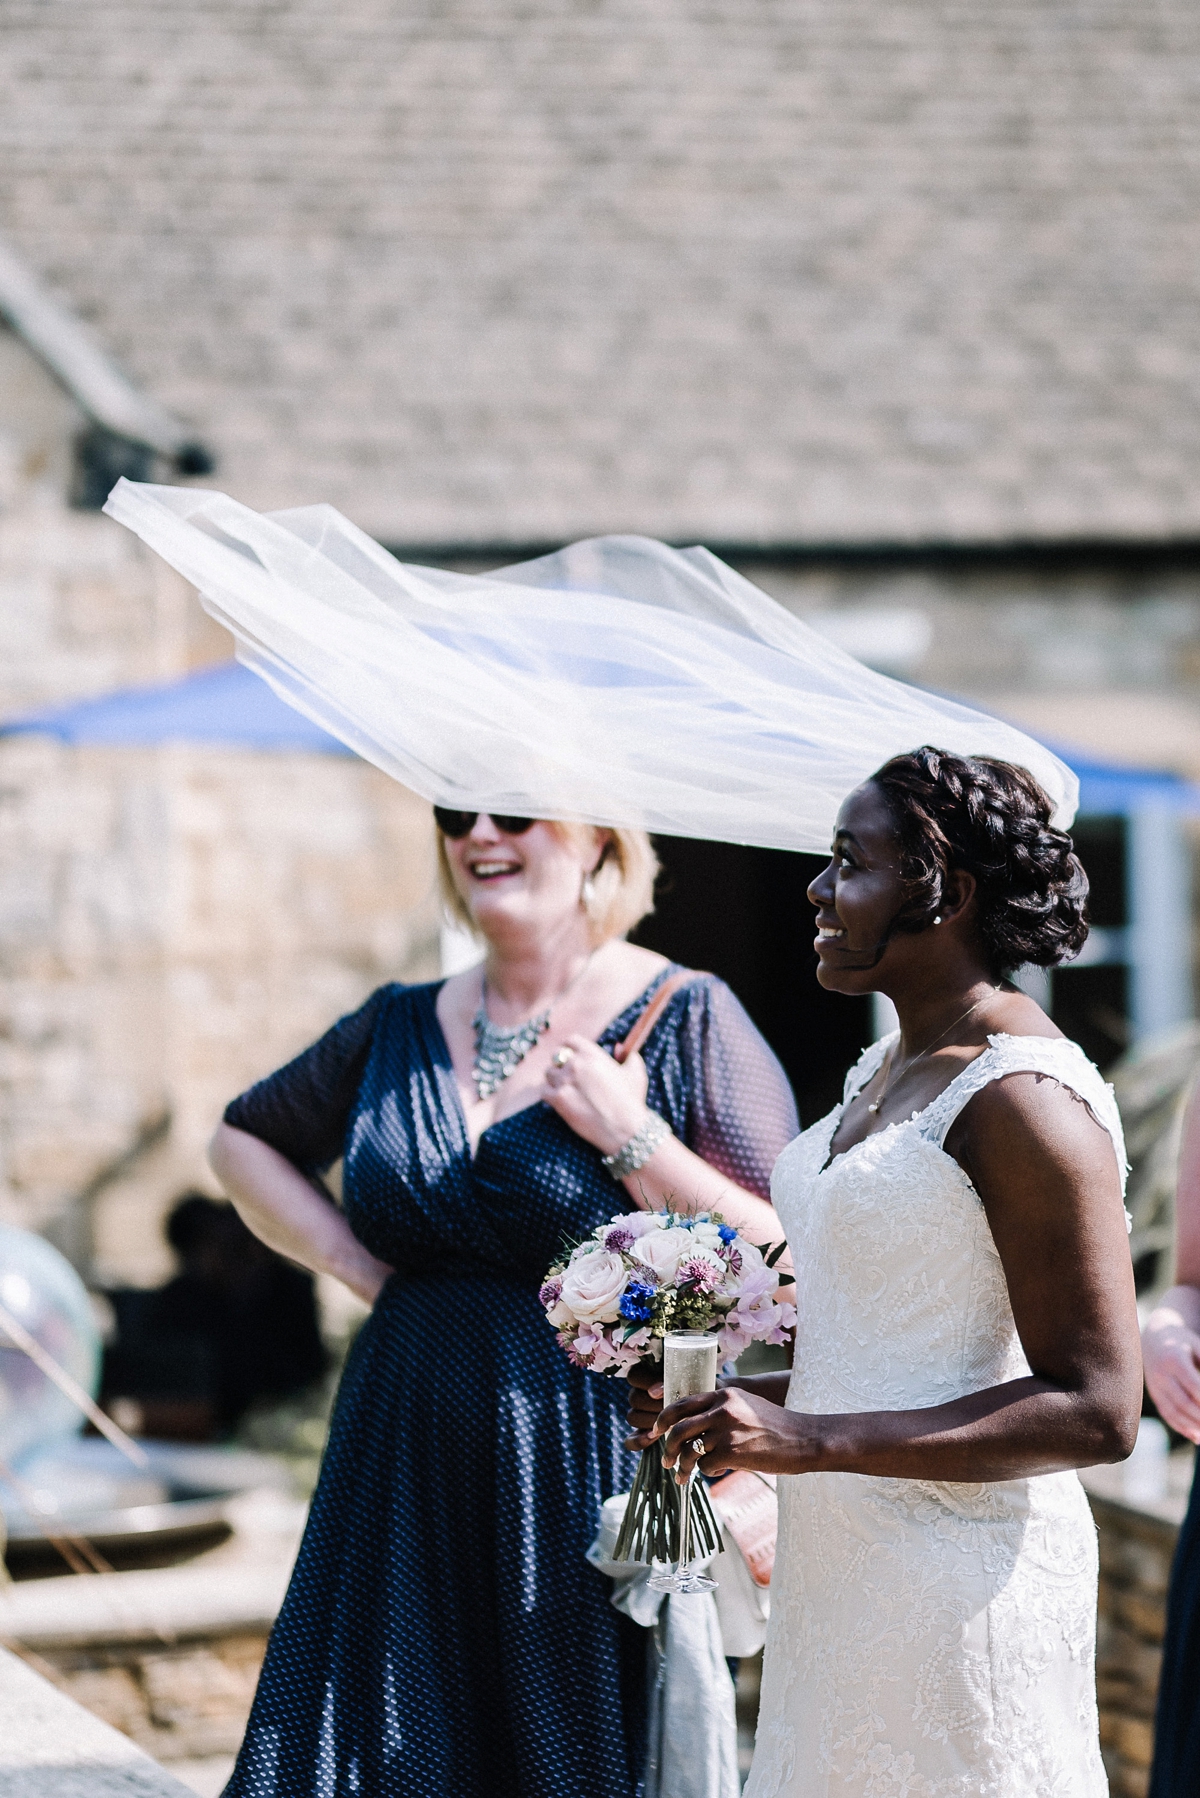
column 592, row 1287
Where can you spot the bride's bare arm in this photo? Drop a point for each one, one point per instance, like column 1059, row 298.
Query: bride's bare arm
column 287, row 1213
column 1046, row 1173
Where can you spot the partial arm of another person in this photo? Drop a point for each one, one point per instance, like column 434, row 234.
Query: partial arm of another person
column 1047, row 1175
column 287, row 1212
column 1171, row 1338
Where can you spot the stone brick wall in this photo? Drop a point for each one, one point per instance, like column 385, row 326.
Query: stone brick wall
column 1137, row 1535
column 1135, row 1555
column 782, row 272
column 174, row 923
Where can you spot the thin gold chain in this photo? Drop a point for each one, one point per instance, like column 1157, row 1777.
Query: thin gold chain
column 912, row 1061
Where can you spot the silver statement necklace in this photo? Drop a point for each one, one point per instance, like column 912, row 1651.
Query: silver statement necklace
column 499, row 1048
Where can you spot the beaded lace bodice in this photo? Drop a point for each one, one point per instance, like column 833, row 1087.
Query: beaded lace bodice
column 928, row 1640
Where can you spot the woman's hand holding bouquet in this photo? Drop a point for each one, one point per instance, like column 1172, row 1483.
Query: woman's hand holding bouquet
column 645, row 1275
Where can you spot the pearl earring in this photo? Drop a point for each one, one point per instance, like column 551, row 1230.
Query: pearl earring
column 938, row 919
column 587, row 892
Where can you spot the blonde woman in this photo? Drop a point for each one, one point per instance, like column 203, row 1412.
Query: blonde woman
column 443, row 1632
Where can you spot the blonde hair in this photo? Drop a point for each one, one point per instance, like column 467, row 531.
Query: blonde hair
column 621, row 890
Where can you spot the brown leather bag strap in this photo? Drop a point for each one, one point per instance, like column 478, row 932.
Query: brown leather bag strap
column 654, row 1011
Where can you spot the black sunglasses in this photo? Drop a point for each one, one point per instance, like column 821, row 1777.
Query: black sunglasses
column 460, row 824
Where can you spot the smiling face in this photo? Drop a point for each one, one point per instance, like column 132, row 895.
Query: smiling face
column 858, row 895
column 528, row 881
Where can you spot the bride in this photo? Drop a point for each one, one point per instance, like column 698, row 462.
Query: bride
column 967, row 1329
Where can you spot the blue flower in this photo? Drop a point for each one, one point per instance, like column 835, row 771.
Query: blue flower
column 727, row 1232
column 638, row 1302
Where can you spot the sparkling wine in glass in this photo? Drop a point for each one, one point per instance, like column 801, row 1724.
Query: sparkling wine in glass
column 689, row 1367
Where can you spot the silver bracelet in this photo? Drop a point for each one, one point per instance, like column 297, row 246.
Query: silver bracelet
column 638, row 1150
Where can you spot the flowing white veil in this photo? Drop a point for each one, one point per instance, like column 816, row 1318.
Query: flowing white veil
column 618, row 682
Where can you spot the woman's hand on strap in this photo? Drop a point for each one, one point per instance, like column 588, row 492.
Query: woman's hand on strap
column 602, row 1100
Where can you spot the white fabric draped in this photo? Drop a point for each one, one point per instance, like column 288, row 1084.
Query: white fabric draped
column 618, row 681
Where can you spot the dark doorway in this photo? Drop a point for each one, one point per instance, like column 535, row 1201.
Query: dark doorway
column 743, row 914
column 1091, row 1004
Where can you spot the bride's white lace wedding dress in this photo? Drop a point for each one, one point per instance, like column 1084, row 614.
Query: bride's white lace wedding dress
column 927, row 1640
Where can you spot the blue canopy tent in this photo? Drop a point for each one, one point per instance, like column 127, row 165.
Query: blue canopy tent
column 226, row 704
column 230, row 705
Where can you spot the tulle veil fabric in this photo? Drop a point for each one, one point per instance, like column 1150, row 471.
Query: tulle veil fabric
column 618, row 681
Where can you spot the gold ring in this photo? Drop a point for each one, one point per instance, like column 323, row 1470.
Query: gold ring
column 562, row 1056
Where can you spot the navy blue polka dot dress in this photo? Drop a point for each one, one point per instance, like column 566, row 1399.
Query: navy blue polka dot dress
column 442, row 1633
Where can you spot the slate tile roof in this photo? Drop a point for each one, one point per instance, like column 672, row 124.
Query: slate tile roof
column 786, row 271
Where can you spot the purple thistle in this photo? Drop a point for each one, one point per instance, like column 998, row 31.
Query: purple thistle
column 699, row 1273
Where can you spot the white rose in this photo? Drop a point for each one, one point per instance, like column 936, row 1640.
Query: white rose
column 592, row 1287
column 708, row 1234
column 560, row 1316
column 663, row 1250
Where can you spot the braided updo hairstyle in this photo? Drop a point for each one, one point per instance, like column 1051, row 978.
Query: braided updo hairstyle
column 990, row 819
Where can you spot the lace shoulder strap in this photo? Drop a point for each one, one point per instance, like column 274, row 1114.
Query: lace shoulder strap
column 867, row 1066
column 1056, row 1056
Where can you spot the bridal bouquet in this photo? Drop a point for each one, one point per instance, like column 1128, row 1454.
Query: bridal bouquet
column 619, row 1291
column 613, row 1300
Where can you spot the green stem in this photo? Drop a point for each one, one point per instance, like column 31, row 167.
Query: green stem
column 650, row 1527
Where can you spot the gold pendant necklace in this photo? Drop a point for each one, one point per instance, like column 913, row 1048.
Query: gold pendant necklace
column 912, row 1061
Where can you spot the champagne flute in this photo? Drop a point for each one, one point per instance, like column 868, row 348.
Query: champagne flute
column 689, row 1367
